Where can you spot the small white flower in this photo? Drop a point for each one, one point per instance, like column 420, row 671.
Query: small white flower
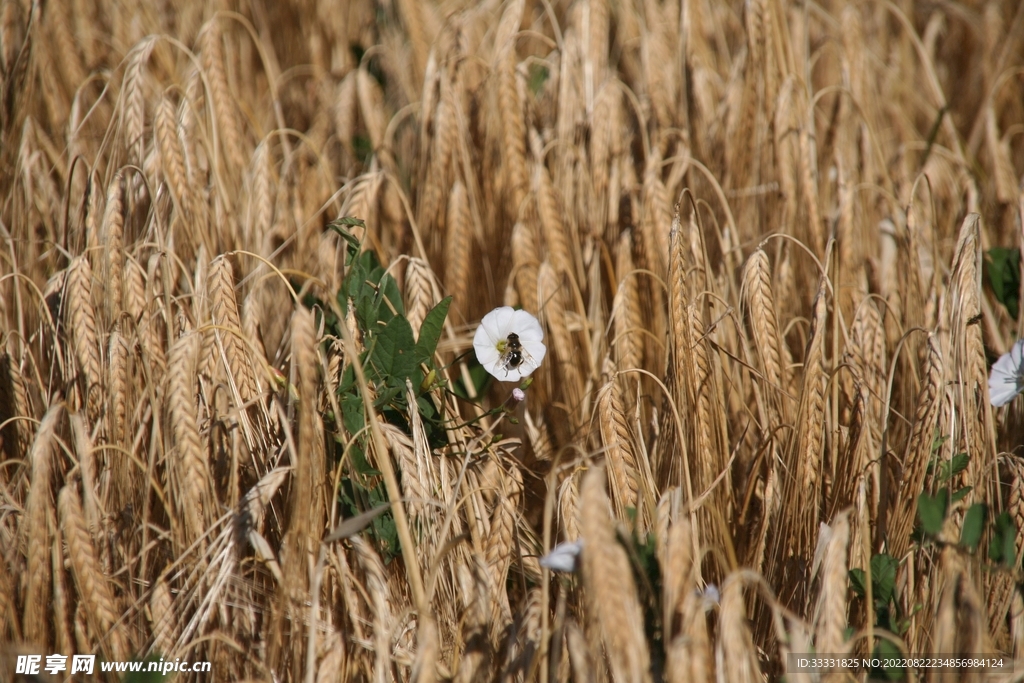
column 509, row 344
column 710, row 597
column 564, row 557
column 1007, row 378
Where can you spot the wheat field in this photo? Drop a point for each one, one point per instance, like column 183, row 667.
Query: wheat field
column 765, row 242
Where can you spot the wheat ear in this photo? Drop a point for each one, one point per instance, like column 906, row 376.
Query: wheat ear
column 113, row 249
column 608, row 581
column 38, row 508
column 188, row 465
column 93, row 587
column 81, row 321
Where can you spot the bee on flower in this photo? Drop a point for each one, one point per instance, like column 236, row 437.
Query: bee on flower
column 509, row 344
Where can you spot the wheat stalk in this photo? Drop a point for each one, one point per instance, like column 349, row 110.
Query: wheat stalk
column 608, row 580
column 307, row 502
column 759, row 301
column 134, row 101
column 224, row 314
column 919, row 448
column 172, row 158
column 475, row 582
column 38, row 508
column 102, row 609
column 810, row 434
column 552, row 227
column 188, row 466
column 14, row 403
column 734, row 654
column 513, row 124
column 161, row 612
column 499, row 544
column 457, row 263
column 81, row 321
column 377, row 593
column 113, row 256
column 626, row 309
column 525, row 265
column 618, row 451
column 831, row 608
column 61, row 599
column 220, row 95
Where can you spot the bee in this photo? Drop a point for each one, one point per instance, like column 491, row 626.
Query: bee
column 514, row 354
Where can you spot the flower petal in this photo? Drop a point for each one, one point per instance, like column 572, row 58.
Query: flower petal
column 1005, row 381
column 1002, row 394
column 498, row 323
column 510, row 374
column 563, row 557
column 486, row 352
column 1017, row 354
column 527, row 327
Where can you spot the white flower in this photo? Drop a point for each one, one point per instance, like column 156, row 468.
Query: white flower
column 709, row 597
column 564, row 557
column 509, row 344
column 1007, row 378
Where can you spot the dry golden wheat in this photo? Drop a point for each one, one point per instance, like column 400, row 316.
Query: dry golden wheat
column 189, row 468
column 220, row 95
column 113, row 250
column 83, row 327
column 38, row 510
column 93, row 586
column 168, row 180
column 611, row 590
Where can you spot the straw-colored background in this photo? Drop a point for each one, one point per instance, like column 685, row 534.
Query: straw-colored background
column 753, row 232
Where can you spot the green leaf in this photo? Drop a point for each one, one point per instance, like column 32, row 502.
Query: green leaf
column 1003, row 268
column 360, row 465
column 952, row 467
column 858, row 582
column 352, row 415
column 974, row 525
column 362, row 147
column 1002, row 548
column 341, row 226
column 393, row 356
column 430, row 330
column 931, row 510
column 426, row 408
column 937, row 441
column 961, row 494
column 538, row 76
column 883, row 577
column 381, row 286
column 385, row 397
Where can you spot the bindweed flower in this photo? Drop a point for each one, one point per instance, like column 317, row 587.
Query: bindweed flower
column 509, row 344
column 709, row 597
column 1007, row 378
column 564, row 557
column 518, row 395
